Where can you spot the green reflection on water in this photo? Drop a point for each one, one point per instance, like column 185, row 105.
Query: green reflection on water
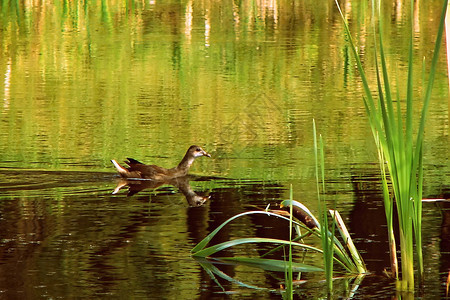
column 87, row 82
column 84, row 82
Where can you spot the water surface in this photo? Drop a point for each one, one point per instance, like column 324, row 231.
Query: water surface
column 84, row 83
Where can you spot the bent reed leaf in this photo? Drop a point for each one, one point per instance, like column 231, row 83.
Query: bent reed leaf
column 202, row 244
column 219, row 247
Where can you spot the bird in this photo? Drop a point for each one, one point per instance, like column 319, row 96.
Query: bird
column 139, row 170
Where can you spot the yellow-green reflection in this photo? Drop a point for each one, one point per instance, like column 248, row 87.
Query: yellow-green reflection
column 86, row 82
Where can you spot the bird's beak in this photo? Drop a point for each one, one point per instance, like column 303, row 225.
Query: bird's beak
column 206, row 153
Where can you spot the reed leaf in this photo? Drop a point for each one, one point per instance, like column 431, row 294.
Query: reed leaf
column 389, row 210
column 326, row 236
column 202, row 244
column 222, row 246
column 289, row 266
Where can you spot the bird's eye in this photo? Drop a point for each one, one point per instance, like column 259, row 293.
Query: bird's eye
column 198, row 149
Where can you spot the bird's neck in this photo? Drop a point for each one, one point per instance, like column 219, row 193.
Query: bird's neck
column 185, row 163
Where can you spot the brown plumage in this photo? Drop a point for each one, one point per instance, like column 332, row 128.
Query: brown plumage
column 137, row 169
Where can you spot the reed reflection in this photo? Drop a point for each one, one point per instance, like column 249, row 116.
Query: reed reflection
column 444, row 267
column 368, row 221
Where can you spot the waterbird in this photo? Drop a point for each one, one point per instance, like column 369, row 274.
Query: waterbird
column 139, row 170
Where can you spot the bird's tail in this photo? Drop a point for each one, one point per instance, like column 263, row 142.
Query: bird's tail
column 122, row 171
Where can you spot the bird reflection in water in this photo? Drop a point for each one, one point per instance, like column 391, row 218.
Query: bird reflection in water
column 182, row 183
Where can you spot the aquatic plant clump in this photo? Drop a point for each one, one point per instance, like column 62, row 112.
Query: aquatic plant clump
column 398, row 149
column 348, row 263
column 300, row 218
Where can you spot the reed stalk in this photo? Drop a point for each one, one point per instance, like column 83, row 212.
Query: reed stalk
column 326, row 240
column 288, row 275
column 389, row 210
column 393, row 132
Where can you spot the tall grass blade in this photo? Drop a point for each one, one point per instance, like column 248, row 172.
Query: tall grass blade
column 389, row 210
column 288, row 267
column 420, row 134
column 326, row 239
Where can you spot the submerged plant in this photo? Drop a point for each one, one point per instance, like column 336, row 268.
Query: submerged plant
column 398, row 149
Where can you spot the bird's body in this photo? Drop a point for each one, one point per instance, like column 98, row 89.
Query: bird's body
column 137, row 169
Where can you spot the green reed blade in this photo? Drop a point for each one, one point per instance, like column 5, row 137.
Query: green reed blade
column 326, row 240
column 225, row 245
column 288, row 267
column 298, row 238
column 419, row 140
column 389, row 210
column 202, row 244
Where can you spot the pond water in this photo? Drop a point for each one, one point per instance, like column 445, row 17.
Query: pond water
column 84, row 83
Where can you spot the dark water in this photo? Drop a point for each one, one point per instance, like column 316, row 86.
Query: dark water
column 83, row 83
column 65, row 235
